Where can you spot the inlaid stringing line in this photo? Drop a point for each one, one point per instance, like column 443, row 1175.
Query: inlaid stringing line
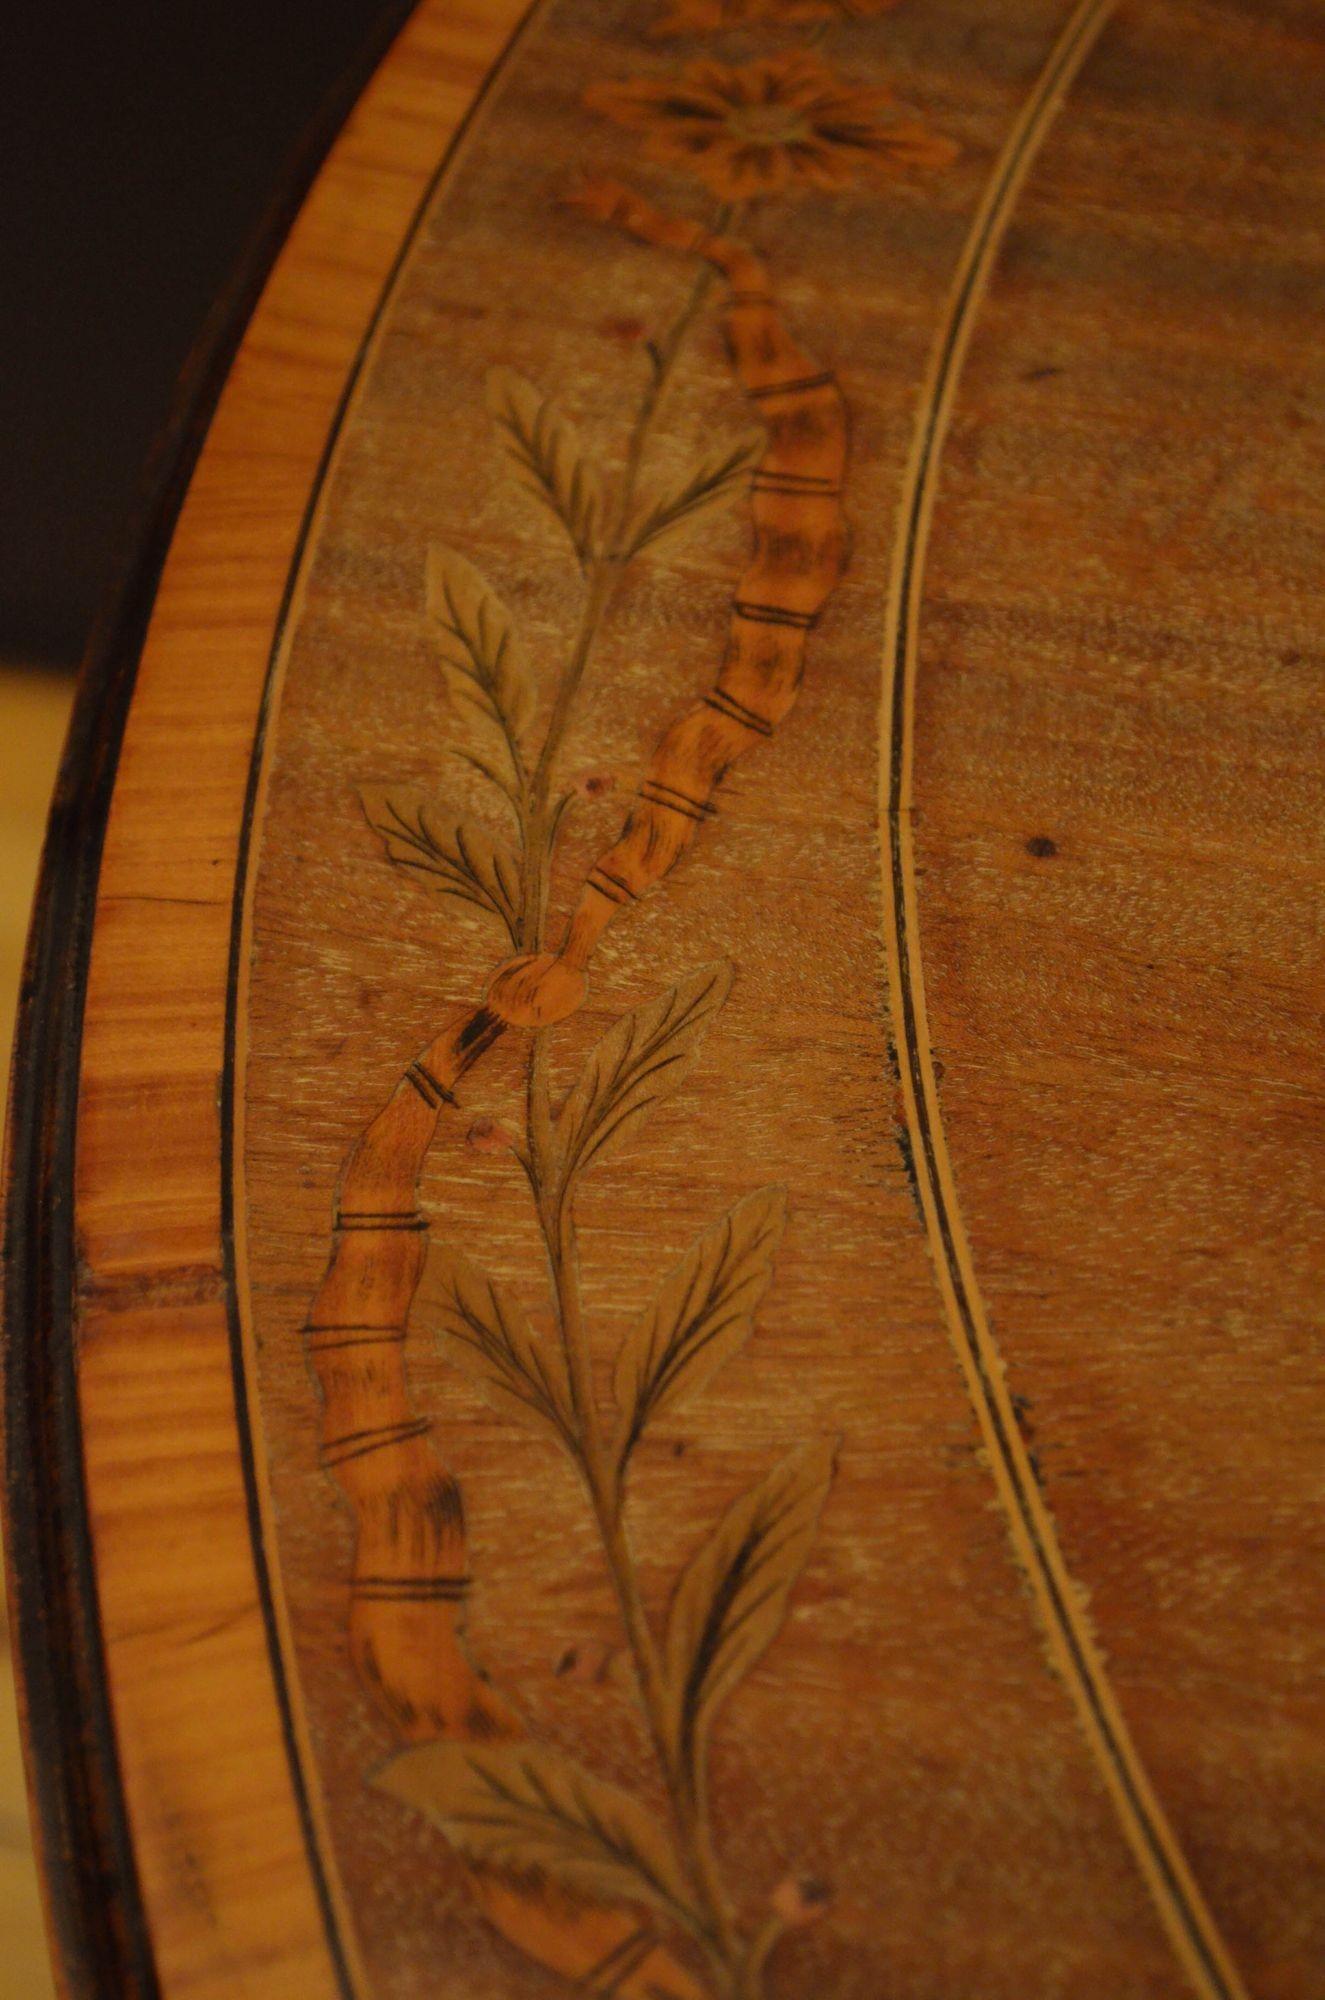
column 357, row 1444
column 1177, row 1896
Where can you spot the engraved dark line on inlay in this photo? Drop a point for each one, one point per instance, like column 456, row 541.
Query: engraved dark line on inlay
column 751, row 298
column 1177, row 1895
column 809, row 479
column 603, row 1980
column 479, row 1033
column 409, row 1597
column 736, row 711
column 774, row 614
column 362, row 1218
column 774, row 485
column 644, row 1947
column 433, row 1092
column 796, row 386
column 326, row 1339
column 808, row 483
column 412, row 1589
column 459, row 1580
column 671, row 805
column 610, row 885
column 703, row 807
column 356, row 1444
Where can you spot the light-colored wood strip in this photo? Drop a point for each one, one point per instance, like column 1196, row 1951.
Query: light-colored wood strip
column 1073, row 1648
column 34, row 711
column 235, row 1871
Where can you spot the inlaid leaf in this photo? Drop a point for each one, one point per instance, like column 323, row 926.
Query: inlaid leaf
column 454, row 856
column 528, row 1810
column 722, row 475
column 484, row 663
column 490, row 1337
column 545, row 449
column 509, row 789
column 732, row 1598
column 638, row 1063
column 703, row 1315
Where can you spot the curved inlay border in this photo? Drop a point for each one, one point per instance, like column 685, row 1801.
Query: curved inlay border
column 351, row 1974
column 1059, row 1600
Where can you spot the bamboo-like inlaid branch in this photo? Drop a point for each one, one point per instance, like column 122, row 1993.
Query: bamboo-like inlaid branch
column 799, row 554
column 606, row 1861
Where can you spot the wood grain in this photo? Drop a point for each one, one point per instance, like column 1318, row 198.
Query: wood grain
column 1160, row 1193
column 236, row 1897
column 1068, row 1632
column 34, row 713
column 450, row 1645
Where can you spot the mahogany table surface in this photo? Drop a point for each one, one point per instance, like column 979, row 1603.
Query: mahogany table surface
column 665, row 1175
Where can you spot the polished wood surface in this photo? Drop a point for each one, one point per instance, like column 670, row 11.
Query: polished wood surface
column 696, row 1166
column 156, row 1392
column 34, row 712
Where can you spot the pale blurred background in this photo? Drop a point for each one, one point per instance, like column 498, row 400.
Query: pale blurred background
column 140, row 148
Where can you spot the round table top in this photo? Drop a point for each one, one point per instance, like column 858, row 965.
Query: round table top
column 665, row 1220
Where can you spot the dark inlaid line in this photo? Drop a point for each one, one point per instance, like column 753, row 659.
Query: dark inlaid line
column 795, row 386
column 430, row 1088
column 774, row 614
column 736, row 711
column 480, row 1031
column 1182, row 1912
column 702, row 806
column 611, row 886
column 796, row 483
column 408, row 1220
column 671, row 805
column 326, row 1339
column 604, row 1980
column 412, row 1589
column 356, row 1444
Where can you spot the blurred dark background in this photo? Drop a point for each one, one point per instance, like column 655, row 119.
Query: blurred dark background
column 145, row 140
